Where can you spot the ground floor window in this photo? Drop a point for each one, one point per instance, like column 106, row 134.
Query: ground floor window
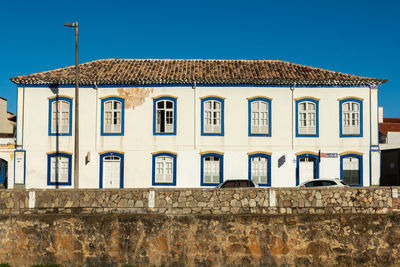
column 260, row 168
column 164, row 168
column 59, row 169
column 211, row 169
column 351, row 169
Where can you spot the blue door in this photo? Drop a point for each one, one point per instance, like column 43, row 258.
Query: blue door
column 3, row 173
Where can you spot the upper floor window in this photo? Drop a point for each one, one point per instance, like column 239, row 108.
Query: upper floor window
column 259, row 116
column 351, row 168
column 59, row 168
column 164, row 168
column 260, row 168
column 212, row 116
column 112, row 116
column 164, row 122
column 350, row 117
column 60, row 115
column 211, row 168
column 307, row 117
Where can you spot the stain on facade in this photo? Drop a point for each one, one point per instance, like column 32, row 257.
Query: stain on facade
column 134, row 97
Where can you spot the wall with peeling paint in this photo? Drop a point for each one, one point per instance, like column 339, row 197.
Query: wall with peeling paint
column 138, row 142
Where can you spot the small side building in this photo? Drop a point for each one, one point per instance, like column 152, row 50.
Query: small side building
column 7, row 143
column 389, row 139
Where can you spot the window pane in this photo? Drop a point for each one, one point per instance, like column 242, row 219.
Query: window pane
column 169, row 104
column 108, row 105
column 160, row 104
column 65, row 105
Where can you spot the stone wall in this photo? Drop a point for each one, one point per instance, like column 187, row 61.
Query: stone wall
column 200, row 240
column 371, row 200
column 201, row 227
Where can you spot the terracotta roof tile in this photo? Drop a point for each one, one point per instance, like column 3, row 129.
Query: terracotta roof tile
column 188, row 71
column 386, row 127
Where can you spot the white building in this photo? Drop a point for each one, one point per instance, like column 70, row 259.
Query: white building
column 193, row 123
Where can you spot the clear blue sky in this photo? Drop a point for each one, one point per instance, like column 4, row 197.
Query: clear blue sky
column 356, row 37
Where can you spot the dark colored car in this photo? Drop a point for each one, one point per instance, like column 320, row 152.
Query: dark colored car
column 237, row 183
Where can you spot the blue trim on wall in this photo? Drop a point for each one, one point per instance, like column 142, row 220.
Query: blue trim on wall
column 121, row 172
column 360, row 166
column 341, row 102
column 269, row 116
column 316, row 117
column 187, row 85
column 316, row 166
column 222, row 116
column 155, row 100
column 69, row 100
column 153, row 175
column 221, row 169
column 21, row 150
column 102, row 133
column 268, row 167
column 49, row 156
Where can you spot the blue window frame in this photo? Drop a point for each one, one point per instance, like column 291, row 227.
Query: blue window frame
column 212, row 116
column 307, row 117
column 211, row 167
column 60, row 116
column 111, row 170
column 112, row 116
column 259, row 116
column 59, row 168
column 351, row 117
column 351, row 169
column 307, row 157
column 164, row 168
column 164, row 115
column 260, row 168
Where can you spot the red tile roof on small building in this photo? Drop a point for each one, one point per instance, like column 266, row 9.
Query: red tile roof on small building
column 189, row 71
column 389, row 125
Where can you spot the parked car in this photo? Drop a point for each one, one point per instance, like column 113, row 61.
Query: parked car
column 234, row 183
column 323, row 182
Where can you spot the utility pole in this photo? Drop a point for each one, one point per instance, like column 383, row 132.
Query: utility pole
column 76, row 132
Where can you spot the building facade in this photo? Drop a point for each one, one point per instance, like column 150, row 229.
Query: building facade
column 195, row 123
column 7, row 143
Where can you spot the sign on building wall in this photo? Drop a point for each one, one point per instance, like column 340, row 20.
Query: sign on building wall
column 19, row 167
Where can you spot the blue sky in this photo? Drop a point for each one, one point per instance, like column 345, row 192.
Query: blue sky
column 356, row 37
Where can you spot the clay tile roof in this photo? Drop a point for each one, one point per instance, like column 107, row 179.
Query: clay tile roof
column 386, row 127
column 188, row 71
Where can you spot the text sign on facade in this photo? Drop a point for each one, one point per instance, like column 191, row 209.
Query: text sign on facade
column 19, row 167
column 328, row 155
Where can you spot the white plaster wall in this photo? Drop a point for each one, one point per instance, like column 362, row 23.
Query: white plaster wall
column 139, row 142
column 6, row 126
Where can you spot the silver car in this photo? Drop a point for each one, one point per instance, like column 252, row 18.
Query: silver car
column 323, row 183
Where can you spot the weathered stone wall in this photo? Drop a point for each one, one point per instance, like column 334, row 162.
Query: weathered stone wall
column 203, row 201
column 201, row 240
column 201, row 227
